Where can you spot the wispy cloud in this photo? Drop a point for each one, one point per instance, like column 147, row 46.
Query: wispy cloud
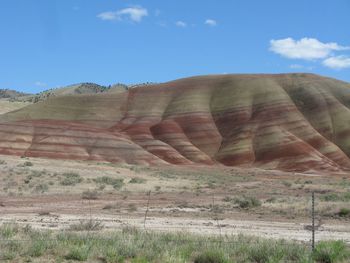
column 300, row 67
column 338, row 62
column 108, row 15
column 296, row 66
column 181, row 24
column 135, row 14
column 210, row 22
column 40, row 84
column 162, row 24
column 305, row 48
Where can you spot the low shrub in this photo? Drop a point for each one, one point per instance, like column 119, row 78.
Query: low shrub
column 41, row 188
column 247, row 202
column 71, row 179
column 117, row 183
column 8, row 255
column 27, row 163
column 217, row 209
column 136, row 180
column 111, row 206
column 286, row 183
column 227, row 199
column 336, row 197
column 44, row 213
column 87, row 225
column 89, row 195
column 132, row 208
column 36, row 173
column 344, row 212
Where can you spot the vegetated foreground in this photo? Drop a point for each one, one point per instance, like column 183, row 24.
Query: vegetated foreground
column 23, row 244
column 291, row 122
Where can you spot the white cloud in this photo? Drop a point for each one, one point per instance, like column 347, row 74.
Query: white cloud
column 136, row 14
column 210, row 22
column 305, row 48
column 338, row 62
column 40, row 84
column 181, row 24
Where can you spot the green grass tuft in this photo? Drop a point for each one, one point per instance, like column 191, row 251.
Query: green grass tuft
column 344, row 212
column 210, row 256
column 331, row 252
column 37, row 248
column 8, row 230
column 78, row 253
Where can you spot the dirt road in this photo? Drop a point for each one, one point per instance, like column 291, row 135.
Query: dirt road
column 277, row 230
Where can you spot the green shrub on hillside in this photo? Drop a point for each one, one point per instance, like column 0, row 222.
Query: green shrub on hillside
column 71, row 179
column 117, row 183
column 136, row 180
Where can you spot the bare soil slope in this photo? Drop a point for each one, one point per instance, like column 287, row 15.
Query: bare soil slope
column 286, row 122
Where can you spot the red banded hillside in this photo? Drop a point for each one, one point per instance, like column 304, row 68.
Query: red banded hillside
column 285, row 121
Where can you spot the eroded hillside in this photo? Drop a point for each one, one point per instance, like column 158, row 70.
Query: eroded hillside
column 286, row 121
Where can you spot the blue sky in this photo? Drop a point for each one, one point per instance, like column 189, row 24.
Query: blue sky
column 50, row 43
